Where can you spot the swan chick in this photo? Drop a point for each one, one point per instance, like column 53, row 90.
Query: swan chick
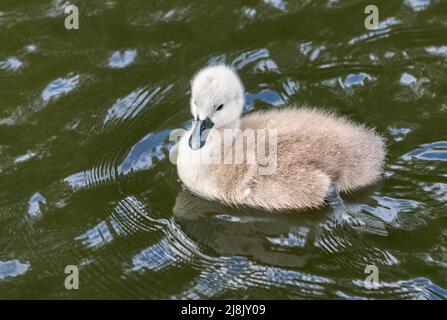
column 310, row 150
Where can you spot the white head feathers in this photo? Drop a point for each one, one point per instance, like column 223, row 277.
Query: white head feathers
column 217, row 93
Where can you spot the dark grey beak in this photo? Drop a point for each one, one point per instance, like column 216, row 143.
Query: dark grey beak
column 199, row 133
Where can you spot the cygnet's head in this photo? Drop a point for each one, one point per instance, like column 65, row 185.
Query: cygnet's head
column 217, row 100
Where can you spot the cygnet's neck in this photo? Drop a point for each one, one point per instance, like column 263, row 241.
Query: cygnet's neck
column 236, row 124
column 217, row 141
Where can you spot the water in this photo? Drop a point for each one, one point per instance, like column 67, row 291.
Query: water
column 85, row 176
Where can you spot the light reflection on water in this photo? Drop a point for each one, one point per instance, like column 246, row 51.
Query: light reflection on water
column 12, row 268
column 84, row 151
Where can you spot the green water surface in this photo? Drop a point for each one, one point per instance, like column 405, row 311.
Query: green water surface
column 85, row 176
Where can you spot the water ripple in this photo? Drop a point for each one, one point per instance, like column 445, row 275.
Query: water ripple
column 265, row 66
column 417, row 288
column 34, row 204
column 249, row 57
column 238, row 273
column 122, row 59
column 357, row 79
column 295, row 239
column 59, row 87
column 11, row 64
column 127, row 218
column 96, row 237
column 399, row 213
column 278, row 4
column 418, row 5
column 12, row 268
column 437, row 190
column 140, row 157
column 399, row 134
column 267, row 95
column 436, row 151
column 132, row 104
column 99, row 192
column 437, row 51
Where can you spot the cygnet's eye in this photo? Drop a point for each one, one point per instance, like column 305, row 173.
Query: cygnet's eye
column 219, row 107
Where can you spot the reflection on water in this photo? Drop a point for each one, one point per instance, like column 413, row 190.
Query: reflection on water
column 433, row 151
column 120, row 60
column 34, row 204
column 85, row 176
column 59, row 87
column 12, row 268
column 11, row 64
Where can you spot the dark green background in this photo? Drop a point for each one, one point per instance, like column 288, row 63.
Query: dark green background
column 85, row 177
